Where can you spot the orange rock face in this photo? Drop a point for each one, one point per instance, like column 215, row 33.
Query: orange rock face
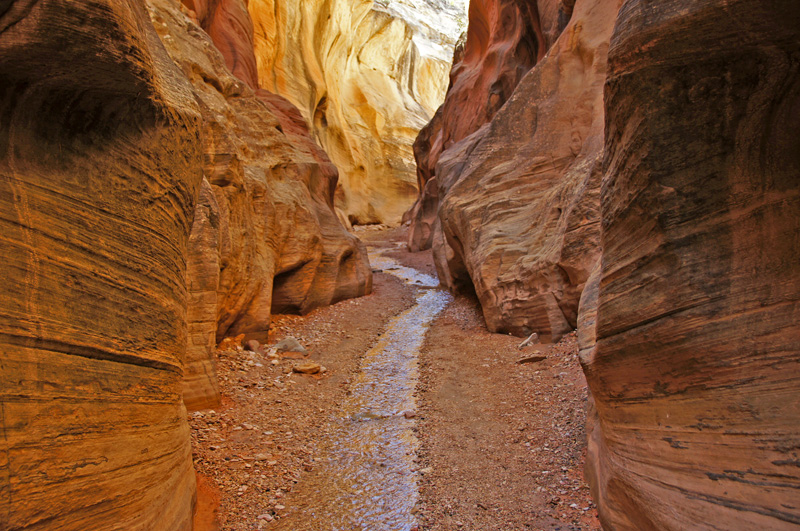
column 269, row 233
column 696, row 369
column 513, row 208
column 99, row 170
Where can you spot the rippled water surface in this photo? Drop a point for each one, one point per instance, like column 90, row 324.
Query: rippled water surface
column 367, row 479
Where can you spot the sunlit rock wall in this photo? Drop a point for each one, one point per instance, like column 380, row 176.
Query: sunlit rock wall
column 696, row 370
column 366, row 76
column 99, row 169
column 266, row 224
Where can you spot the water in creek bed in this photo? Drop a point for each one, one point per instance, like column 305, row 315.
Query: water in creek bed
column 367, row 479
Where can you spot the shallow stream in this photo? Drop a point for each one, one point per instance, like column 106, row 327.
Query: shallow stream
column 367, row 479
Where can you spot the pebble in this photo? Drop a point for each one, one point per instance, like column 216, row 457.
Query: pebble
column 290, row 344
column 308, row 367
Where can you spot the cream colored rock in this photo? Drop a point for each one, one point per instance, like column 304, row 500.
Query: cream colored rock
column 367, row 77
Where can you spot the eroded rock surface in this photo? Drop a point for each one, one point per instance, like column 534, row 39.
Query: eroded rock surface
column 273, row 235
column 367, row 76
column 695, row 369
column 99, row 170
column 517, row 216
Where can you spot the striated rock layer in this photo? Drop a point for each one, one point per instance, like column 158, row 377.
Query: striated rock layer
column 696, row 369
column 99, row 170
column 151, row 202
column 265, row 230
column 518, row 199
column 367, row 76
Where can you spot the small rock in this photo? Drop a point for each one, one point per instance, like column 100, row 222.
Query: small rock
column 252, row 345
column 426, row 470
column 409, row 414
column 290, row 344
column 266, row 516
column 532, row 340
column 230, row 343
column 308, row 367
column 279, row 507
column 532, row 359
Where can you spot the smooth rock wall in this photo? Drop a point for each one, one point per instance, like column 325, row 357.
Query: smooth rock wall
column 269, row 228
column 518, row 199
column 99, row 170
column 367, row 76
column 695, row 373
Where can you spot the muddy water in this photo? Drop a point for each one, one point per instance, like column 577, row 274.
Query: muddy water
column 367, row 479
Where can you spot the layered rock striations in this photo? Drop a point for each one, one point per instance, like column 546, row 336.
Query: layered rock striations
column 696, row 368
column 266, row 230
column 99, row 170
column 151, row 203
column 517, row 215
column 366, row 76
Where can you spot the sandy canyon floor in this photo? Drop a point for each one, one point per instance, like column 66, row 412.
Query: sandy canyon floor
column 493, row 444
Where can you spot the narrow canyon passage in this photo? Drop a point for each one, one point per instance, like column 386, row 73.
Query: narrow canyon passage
column 422, row 420
column 367, row 478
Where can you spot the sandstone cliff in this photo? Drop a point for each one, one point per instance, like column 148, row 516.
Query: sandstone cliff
column 267, row 232
column 99, row 170
column 504, row 40
column 367, row 76
column 511, row 207
column 696, row 369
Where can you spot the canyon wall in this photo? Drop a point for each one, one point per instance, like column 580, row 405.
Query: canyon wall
column 367, row 76
column 511, row 204
column 151, row 203
column 696, row 369
column 504, row 40
column 648, row 164
column 266, row 237
column 99, row 170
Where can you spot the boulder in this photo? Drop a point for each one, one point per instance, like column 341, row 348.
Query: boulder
column 99, row 171
column 695, row 373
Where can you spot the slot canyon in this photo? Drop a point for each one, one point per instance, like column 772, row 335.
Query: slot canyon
column 419, row 265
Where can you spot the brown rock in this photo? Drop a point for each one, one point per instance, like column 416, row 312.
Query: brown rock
column 695, row 369
column 281, row 247
column 200, row 385
column 252, row 345
column 99, row 170
column 308, row 367
column 230, row 343
column 228, row 24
